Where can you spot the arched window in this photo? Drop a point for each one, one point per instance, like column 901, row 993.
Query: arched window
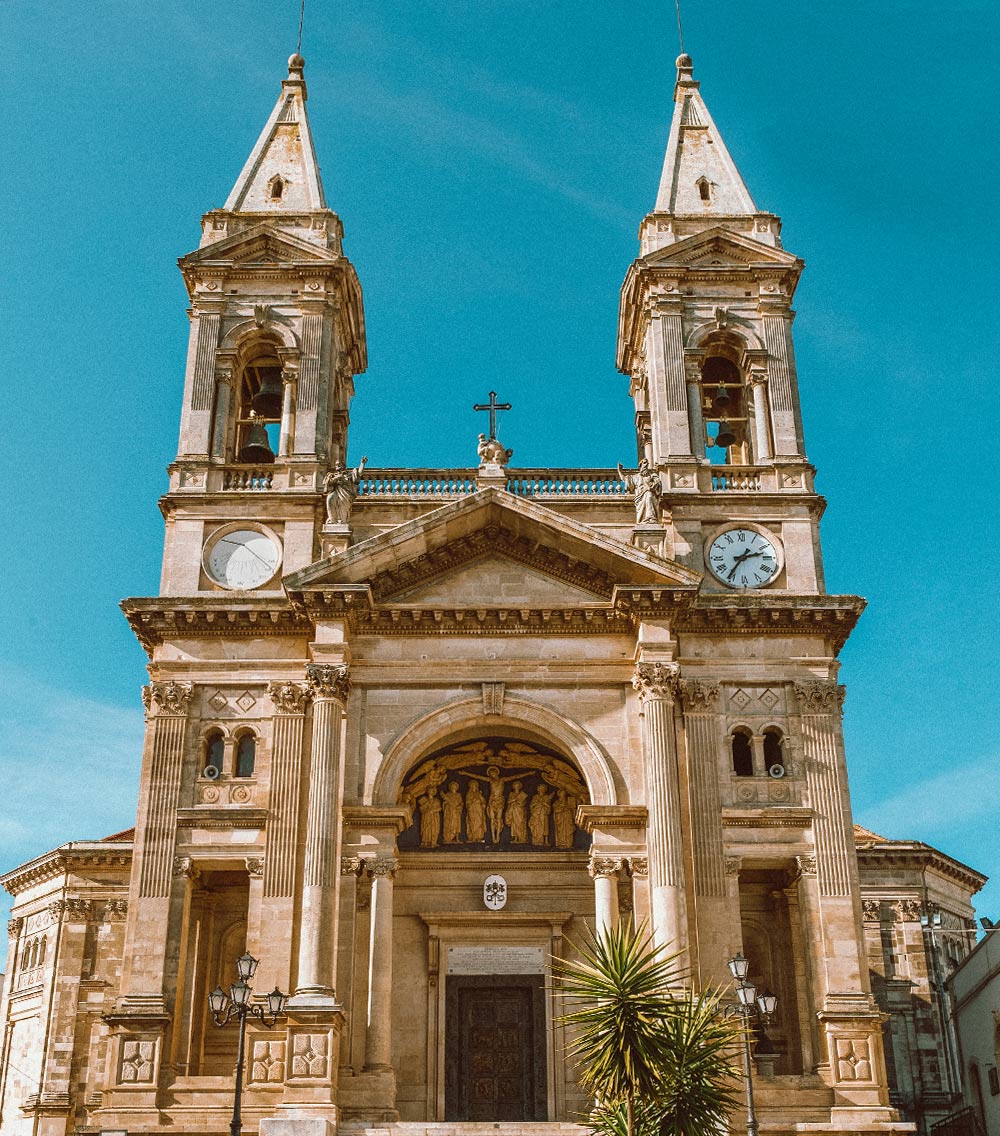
column 704, row 189
column 275, row 188
column 214, row 749
column 742, row 754
column 40, row 952
column 259, row 408
column 26, row 956
column 774, row 755
column 724, row 406
column 246, row 753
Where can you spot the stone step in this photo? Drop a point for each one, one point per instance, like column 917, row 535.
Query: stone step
column 471, row 1128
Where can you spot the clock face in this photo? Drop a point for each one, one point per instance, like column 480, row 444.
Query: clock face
column 243, row 559
column 743, row 558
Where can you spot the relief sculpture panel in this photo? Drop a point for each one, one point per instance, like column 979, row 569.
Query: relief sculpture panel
column 499, row 793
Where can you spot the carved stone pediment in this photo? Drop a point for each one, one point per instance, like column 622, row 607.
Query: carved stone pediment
column 719, row 248
column 264, row 243
column 458, row 554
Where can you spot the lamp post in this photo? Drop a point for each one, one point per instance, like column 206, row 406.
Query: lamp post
column 236, row 1004
column 750, row 1004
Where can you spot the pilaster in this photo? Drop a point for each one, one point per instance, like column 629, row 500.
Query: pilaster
column 667, row 382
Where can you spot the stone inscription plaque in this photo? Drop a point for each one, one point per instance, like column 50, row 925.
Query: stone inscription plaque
column 496, row 960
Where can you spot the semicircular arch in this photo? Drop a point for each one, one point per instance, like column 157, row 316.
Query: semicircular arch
column 465, row 720
column 737, row 327
column 249, row 330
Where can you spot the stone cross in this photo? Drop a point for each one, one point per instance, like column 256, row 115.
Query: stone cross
column 493, row 406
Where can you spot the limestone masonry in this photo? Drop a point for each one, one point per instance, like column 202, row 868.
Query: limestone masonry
column 411, row 731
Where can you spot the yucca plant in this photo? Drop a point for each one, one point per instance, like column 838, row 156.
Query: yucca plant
column 657, row 1057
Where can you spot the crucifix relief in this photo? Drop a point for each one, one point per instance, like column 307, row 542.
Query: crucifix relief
column 490, row 450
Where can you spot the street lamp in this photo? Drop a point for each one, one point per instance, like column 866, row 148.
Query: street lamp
column 237, row 1004
column 750, row 1004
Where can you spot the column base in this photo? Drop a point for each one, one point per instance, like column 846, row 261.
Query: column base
column 298, row 1124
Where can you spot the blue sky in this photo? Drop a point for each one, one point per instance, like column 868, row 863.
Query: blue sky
column 491, row 164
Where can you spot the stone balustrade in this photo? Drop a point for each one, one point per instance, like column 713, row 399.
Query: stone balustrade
column 416, row 484
column 248, row 477
column 560, row 483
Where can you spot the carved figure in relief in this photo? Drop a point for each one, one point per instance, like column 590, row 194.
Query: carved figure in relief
column 430, row 819
column 645, row 487
column 341, row 487
column 516, row 814
column 475, row 814
column 539, row 811
column 564, row 814
column 452, row 802
column 495, row 804
column 433, row 776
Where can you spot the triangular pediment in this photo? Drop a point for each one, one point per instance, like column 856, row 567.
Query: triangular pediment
column 474, row 549
column 719, row 248
column 497, row 579
column 265, row 243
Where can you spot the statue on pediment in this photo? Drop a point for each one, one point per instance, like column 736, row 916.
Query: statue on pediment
column 492, row 452
column 341, row 487
column 645, row 487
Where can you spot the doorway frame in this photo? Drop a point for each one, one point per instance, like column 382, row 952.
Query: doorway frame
column 495, row 929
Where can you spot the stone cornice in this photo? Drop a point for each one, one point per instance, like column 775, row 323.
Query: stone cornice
column 914, row 854
column 70, row 857
column 160, row 618
column 772, row 613
column 221, row 816
column 773, row 817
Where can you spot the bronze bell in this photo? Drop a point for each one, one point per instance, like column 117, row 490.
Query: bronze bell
column 257, row 449
column 722, row 397
column 726, row 436
column 266, row 403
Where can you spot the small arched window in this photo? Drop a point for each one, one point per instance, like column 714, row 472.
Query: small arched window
column 704, row 189
column 742, row 754
column 40, row 952
column 214, row 749
column 276, row 188
column 26, row 956
column 246, row 754
column 773, row 751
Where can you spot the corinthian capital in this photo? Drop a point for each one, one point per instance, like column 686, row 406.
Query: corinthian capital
column 605, row 866
column 699, row 694
column 819, row 697
column 328, row 681
column 656, row 680
column 382, row 866
column 168, row 697
column 289, row 697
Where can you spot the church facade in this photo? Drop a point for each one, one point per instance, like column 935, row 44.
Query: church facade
column 411, row 732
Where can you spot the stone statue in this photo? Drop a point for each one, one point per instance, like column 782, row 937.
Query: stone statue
column 492, row 452
column 539, row 810
column 475, row 814
column 495, row 804
column 564, row 812
column 341, row 487
column 516, row 814
column 645, row 487
column 430, row 819
column 452, row 801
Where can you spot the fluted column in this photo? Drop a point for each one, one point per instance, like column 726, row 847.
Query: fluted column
column 167, row 706
column 667, row 384
column 604, row 871
column 378, row 1037
column 220, row 419
column 317, row 937
column 820, row 709
column 761, row 417
column 290, row 701
column 657, row 686
column 781, row 385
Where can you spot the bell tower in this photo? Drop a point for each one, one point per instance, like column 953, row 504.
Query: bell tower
column 705, row 335
column 277, row 336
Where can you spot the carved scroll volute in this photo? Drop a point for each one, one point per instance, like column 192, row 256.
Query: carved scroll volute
column 656, row 680
column 328, row 681
column 289, row 697
column 699, row 696
column 820, row 697
column 167, row 699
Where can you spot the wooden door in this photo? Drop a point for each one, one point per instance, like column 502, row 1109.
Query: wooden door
column 495, row 1048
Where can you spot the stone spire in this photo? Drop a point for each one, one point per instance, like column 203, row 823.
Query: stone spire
column 282, row 174
column 699, row 177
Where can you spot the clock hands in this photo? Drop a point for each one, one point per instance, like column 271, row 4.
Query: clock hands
column 739, row 560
